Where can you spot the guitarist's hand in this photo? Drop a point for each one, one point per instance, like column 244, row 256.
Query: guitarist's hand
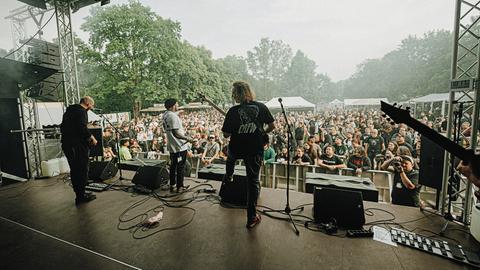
column 93, row 141
column 466, row 169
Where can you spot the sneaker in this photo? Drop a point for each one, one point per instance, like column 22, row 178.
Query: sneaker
column 254, row 222
column 182, row 189
column 87, row 197
column 172, row 188
column 227, row 178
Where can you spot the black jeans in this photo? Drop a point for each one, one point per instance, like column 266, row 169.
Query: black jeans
column 77, row 156
column 177, row 166
column 252, row 164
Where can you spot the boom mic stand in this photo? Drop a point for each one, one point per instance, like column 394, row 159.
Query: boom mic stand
column 117, row 144
column 287, row 211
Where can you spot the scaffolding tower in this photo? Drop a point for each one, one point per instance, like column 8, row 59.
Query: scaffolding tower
column 27, row 106
column 28, row 111
column 465, row 68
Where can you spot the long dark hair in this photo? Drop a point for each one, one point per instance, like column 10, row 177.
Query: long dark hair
column 242, row 93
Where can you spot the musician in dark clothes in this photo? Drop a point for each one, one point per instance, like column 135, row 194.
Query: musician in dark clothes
column 76, row 140
column 244, row 125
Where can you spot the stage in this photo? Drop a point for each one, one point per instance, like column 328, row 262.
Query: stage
column 41, row 228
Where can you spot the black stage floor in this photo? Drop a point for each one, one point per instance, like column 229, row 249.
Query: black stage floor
column 41, row 228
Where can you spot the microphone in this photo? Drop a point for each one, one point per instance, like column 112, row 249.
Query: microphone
column 280, row 100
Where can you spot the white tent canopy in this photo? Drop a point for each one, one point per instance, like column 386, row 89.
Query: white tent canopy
column 336, row 102
column 427, row 102
column 363, row 101
column 292, row 103
column 50, row 113
column 439, row 97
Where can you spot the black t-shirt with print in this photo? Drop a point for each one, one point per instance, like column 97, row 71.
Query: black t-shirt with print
column 241, row 121
column 334, row 160
column 402, row 195
column 374, row 144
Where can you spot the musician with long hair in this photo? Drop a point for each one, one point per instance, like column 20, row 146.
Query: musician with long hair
column 244, row 124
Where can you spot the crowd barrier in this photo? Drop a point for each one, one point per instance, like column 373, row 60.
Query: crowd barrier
column 274, row 175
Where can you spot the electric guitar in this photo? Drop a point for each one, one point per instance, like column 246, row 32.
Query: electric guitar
column 399, row 115
column 203, row 98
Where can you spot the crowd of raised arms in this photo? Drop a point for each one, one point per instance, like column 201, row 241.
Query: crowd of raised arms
column 359, row 139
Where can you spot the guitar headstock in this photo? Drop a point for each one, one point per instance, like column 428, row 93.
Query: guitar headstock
column 202, row 97
column 395, row 114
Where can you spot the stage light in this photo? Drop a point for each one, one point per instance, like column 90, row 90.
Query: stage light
column 35, row 3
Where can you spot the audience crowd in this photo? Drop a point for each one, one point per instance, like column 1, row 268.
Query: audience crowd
column 359, row 139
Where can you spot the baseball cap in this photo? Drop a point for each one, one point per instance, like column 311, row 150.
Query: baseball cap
column 408, row 158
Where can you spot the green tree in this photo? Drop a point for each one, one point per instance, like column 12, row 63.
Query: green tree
column 268, row 62
column 134, row 58
column 418, row 67
column 235, row 68
column 301, row 78
column 129, row 49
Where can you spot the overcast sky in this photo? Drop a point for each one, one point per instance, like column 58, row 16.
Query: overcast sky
column 338, row 35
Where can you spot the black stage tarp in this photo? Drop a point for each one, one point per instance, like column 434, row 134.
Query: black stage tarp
column 215, row 239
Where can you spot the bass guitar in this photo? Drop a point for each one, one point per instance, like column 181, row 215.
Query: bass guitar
column 399, row 115
column 203, row 98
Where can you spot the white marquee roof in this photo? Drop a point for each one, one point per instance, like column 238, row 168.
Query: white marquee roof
column 364, row 101
column 431, row 98
column 290, row 103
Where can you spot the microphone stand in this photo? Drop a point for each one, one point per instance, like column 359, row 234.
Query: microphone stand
column 117, row 144
column 287, row 211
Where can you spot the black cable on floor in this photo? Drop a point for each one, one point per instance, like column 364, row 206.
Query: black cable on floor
column 177, row 201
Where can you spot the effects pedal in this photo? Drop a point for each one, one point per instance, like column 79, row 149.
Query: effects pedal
column 209, row 190
column 435, row 246
column 359, row 233
column 97, row 187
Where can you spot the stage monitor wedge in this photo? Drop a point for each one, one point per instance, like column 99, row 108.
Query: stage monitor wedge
column 151, row 177
column 343, row 207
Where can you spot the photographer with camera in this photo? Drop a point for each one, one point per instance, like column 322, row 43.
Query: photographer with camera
column 405, row 189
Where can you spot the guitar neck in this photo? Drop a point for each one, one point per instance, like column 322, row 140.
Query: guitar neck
column 211, row 103
column 218, row 108
column 441, row 140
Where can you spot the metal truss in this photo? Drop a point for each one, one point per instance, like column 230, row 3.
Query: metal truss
column 67, row 52
column 28, row 110
column 31, row 140
column 465, row 65
column 27, row 106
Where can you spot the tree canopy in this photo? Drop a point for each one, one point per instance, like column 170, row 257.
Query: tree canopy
column 134, row 58
column 418, row 67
